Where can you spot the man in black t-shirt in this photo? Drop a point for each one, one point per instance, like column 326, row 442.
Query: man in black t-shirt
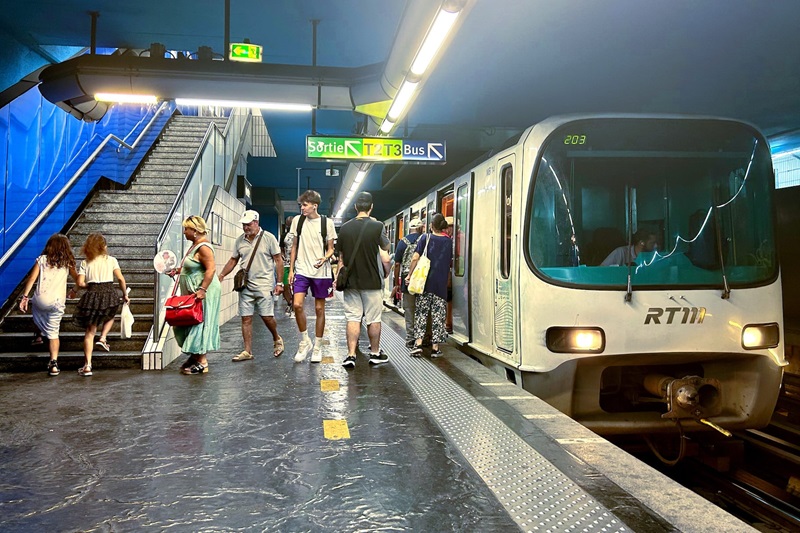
column 361, row 242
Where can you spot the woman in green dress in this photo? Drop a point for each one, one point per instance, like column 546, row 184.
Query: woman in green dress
column 197, row 275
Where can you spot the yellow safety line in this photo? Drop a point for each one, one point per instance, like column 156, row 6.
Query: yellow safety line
column 329, row 385
column 335, row 429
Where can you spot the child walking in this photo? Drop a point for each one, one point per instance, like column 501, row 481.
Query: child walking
column 49, row 299
column 100, row 303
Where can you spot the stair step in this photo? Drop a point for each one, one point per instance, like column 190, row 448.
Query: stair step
column 170, row 190
column 73, row 341
column 124, row 197
column 68, row 361
column 131, row 228
column 104, row 216
column 24, row 323
column 164, row 174
column 116, row 240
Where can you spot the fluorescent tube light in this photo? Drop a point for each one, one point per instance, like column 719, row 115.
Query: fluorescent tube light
column 387, row 126
column 275, row 106
column 401, row 100
column 433, row 41
column 126, row 98
column 360, row 177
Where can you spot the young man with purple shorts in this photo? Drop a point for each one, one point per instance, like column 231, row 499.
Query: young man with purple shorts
column 310, row 268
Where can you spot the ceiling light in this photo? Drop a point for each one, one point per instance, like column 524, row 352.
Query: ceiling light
column 275, row 106
column 360, row 177
column 126, row 98
column 402, row 99
column 387, row 126
column 433, row 41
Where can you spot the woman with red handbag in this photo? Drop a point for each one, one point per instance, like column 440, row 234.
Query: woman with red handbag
column 197, row 276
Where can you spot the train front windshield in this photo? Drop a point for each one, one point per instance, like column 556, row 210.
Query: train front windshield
column 672, row 202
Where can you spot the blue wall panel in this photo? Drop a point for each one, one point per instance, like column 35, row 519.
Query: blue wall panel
column 41, row 148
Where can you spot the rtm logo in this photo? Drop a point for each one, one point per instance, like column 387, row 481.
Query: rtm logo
column 691, row 315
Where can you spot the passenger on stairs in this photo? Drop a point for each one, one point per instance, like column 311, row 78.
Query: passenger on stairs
column 198, row 276
column 49, row 299
column 100, row 303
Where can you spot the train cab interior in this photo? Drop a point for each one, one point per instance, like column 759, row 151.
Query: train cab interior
column 706, row 206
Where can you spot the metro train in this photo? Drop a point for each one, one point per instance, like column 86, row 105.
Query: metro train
column 684, row 337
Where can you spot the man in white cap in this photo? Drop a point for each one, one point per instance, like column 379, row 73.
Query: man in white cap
column 257, row 251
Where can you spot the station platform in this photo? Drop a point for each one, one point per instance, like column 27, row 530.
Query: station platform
column 274, row 445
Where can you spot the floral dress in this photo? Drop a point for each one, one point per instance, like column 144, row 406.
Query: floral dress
column 203, row 337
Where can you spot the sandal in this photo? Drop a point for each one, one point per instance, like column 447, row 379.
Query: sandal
column 37, row 340
column 416, row 352
column 103, row 344
column 196, row 368
column 85, row 371
column 277, row 348
column 189, row 362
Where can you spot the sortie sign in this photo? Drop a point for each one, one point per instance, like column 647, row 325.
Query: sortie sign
column 378, row 149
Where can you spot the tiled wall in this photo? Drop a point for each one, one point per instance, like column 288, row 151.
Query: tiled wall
column 230, row 209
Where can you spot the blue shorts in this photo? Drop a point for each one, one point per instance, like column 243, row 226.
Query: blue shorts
column 320, row 287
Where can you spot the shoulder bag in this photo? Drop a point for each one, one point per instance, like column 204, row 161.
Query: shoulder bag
column 344, row 272
column 183, row 310
column 419, row 275
column 240, row 279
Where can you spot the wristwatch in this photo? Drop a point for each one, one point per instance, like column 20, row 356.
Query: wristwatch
column 280, row 283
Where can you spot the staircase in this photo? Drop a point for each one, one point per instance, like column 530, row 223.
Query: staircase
column 130, row 219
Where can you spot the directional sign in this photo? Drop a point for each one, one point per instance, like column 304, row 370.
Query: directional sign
column 246, row 52
column 380, row 149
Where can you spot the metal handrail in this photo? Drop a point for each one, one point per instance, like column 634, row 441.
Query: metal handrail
column 74, row 179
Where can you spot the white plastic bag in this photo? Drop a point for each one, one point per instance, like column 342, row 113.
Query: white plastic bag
column 126, row 321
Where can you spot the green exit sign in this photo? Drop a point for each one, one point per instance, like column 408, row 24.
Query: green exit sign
column 246, row 52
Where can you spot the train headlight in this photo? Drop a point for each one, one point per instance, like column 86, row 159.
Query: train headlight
column 575, row 340
column 756, row 336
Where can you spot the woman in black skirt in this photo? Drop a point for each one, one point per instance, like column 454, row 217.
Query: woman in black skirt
column 100, row 303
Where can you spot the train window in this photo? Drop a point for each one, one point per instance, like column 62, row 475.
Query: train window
column 505, row 221
column 424, row 216
column 431, row 212
column 460, row 235
column 680, row 202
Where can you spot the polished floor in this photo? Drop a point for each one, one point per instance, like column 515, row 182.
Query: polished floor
column 417, row 444
column 242, row 448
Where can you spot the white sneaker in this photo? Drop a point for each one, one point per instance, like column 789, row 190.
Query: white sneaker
column 316, row 354
column 302, row 350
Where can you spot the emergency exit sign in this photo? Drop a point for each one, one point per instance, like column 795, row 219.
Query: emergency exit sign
column 246, row 52
column 379, row 149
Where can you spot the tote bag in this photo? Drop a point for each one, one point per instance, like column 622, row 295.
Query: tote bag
column 416, row 284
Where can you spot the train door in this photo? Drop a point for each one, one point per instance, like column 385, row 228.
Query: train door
column 461, row 254
column 504, row 251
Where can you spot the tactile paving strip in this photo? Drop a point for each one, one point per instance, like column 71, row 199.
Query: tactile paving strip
column 535, row 493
